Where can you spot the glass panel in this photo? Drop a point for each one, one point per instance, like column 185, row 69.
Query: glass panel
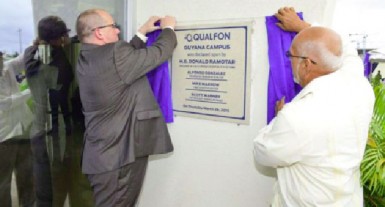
column 41, row 120
column 70, row 9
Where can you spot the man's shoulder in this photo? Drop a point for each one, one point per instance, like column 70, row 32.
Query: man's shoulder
column 121, row 47
column 94, row 47
column 30, row 52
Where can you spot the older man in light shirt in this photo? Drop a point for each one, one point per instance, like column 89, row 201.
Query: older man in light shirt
column 317, row 141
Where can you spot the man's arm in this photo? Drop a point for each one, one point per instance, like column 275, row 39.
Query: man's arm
column 278, row 144
column 14, row 100
column 16, row 64
column 132, row 63
column 9, row 101
column 140, row 39
column 290, row 21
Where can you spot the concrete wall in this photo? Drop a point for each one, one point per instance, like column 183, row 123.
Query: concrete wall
column 213, row 164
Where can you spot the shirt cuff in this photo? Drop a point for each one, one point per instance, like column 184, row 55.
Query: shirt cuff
column 169, row 27
column 142, row 37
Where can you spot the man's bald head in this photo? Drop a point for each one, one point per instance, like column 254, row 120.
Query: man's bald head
column 89, row 20
column 320, row 44
column 315, row 51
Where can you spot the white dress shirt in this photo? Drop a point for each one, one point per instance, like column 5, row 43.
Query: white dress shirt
column 317, row 141
column 15, row 115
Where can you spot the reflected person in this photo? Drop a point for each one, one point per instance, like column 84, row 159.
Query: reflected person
column 15, row 145
column 42, row 72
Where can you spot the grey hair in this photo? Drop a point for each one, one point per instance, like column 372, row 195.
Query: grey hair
column 87, row 21
column 324, row 56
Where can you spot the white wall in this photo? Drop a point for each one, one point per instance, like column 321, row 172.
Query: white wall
column 213, row 164
column 361, row 17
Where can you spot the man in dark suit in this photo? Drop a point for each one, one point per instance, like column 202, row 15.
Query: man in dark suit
column 123, row 122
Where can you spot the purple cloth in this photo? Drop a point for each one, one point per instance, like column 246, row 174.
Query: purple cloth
column 281, row 82
column 368, row 66
column 159, row 79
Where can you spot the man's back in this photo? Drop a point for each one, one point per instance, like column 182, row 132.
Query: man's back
column 329, row 120
column 122, row 118
column 317, row 141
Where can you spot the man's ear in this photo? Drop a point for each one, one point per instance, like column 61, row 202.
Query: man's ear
column 307, row 65
column 98, row 35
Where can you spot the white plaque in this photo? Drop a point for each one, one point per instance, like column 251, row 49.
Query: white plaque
column 210, row 72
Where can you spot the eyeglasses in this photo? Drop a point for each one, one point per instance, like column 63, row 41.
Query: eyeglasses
column 114, row 25
column 289, row 55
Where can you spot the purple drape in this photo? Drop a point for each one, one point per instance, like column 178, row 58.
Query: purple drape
column 368, row 66
column 281, row 81
column 159, row 79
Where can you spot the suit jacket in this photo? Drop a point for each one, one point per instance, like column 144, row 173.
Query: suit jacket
column 122, row 118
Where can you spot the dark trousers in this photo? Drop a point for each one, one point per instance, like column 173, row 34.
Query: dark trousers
column 42, row 172
column 121, row 187
column 16, row 156
column 56, row 98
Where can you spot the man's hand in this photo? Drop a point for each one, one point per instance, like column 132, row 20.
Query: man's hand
column 290, row 21
column 149, row 26
column 279, row 105
column 168, row 21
